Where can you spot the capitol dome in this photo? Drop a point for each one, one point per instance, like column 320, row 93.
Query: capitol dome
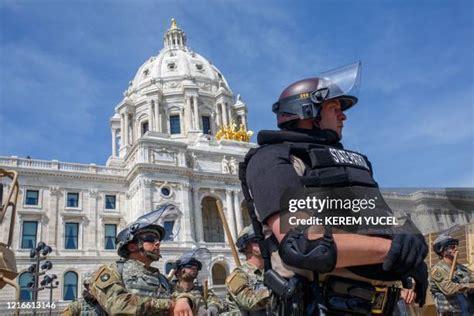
column 177, row 94
column 177, row 61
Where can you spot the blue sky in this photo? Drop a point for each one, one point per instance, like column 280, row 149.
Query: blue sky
column 65, row 64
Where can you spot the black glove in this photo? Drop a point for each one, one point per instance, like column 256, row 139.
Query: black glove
column 408, row 250
column 420, row 275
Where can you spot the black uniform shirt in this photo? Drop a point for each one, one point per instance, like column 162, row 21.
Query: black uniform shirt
column 269, row 174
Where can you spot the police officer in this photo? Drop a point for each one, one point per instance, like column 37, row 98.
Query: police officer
column 87, row 305
column 307, row 153
column 450, row 295
column 246, row 294
column 187, row 270
column 133, row 286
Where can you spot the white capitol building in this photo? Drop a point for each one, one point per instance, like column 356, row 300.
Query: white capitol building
column 163, row 150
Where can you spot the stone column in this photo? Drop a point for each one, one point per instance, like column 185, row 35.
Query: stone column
column 244, row 121
column 238, row 212
column 197, row 212
column 114, row 142
column 127, row 129
column 158, row 120
column 151, row 121
column 133, row 128
column 188, row 114
column 218, row 115
column 122, row 131
column 94, row 229
column 196, row 113
column 181, row 122
column 186, row 231
column 54, row 237
column 230, row 212
column 229, row 112
column 225, row 120
column 145, row 191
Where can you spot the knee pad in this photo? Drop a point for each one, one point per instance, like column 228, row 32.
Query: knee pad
column 318, row 255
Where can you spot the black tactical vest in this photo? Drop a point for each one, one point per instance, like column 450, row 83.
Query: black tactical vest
column 327, row 163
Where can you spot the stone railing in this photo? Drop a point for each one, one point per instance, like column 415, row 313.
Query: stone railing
column 15, row 162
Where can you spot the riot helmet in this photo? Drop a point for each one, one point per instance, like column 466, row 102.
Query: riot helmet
column 186, row 261
column 443, row 241
column 150, row 222
column 303, row 99
column 246, row 236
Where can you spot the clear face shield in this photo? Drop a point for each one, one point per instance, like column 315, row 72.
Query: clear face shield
column 165, row 216
column 342, row 81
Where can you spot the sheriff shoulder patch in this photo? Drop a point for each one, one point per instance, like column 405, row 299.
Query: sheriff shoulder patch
column 437, row 275
column 236, row 282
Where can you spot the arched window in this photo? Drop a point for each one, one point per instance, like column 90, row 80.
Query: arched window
column 23, row 280
column 212, row 225
column 219, row 274
column 70, row 286
column 145, row 127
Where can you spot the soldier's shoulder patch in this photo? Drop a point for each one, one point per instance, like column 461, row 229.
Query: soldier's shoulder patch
column 105, row 277
column 236, row 281
column 438, row 274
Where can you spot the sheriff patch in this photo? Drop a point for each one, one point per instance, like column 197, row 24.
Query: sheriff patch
column 341, row 156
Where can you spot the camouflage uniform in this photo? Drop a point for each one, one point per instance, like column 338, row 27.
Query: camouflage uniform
column 87, row 305
column 136, row 291
column 246, row 294
column 444, row 290
column 82, row 307
column 197, row 293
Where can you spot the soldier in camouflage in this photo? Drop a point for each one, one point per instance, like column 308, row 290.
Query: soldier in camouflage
column 246, row 294
column 87, row 305
column 187, row 269
column 133, row 286
column 450, row 295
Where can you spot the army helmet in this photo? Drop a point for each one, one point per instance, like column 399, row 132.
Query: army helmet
column 442, row 242
column 149, row 222
column 246, row 235
column 187, row 260
column 303, row 99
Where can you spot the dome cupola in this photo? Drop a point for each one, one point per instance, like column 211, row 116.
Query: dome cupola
column 174, row 37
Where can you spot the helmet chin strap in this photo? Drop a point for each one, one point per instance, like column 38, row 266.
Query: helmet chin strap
column 149, row 254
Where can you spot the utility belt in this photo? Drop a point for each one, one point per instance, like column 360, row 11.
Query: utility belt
column 336, row 295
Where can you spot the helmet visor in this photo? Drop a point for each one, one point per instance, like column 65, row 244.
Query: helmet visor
column 342, row 81
column 163, row 216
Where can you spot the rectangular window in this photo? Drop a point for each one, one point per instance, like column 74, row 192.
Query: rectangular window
column 168, row 225
column 71, row 236
column 110, row 233
column 28, row 237
column 206, row 125
column 175, row 127
column 31, row 197
column 110, row 202
column 72, row 199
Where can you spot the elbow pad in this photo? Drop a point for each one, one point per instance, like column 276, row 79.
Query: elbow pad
column 318, row 255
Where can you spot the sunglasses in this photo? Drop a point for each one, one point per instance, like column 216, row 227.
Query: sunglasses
column 150, row 238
